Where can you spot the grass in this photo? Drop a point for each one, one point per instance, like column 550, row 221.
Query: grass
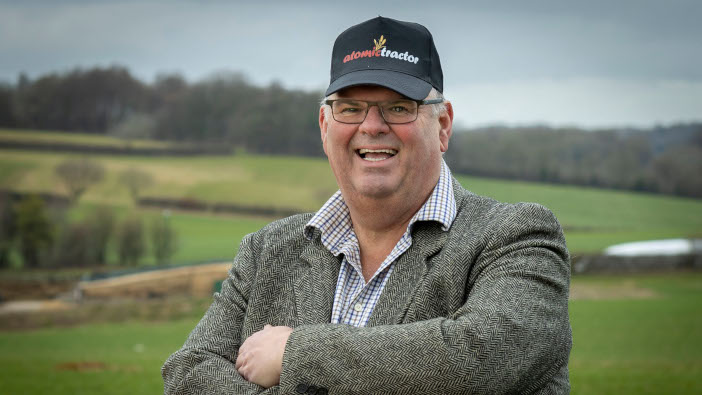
column 41, row 136
column 117, row 358
column 621, row 346
column 593, row 218
column 596, row 218
column 639, row 346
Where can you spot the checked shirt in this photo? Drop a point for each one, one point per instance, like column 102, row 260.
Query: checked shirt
column 354, row 299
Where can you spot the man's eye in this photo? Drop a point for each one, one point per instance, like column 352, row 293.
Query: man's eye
column 349, row 109
column 399, row 108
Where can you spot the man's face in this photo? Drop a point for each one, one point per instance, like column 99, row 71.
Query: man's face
column 409, row 171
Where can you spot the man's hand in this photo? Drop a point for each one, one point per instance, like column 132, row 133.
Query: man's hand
column 260, row 359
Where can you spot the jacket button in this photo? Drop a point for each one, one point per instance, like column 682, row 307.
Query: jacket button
column 301, row 388
column 322, row 391
column 312, row 390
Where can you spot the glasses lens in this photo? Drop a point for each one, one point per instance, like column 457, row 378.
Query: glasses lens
column 349, row 111
column 400, row 111
column 354, row 111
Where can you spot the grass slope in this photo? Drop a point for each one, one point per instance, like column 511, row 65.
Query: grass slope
column 593, row 218
column 40, row 136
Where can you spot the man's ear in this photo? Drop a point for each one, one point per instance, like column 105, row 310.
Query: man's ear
column 323, row 124
column 445, row 124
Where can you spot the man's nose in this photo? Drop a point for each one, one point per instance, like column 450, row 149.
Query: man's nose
column 374, row 123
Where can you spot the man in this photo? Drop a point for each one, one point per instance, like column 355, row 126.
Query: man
column 403, row 282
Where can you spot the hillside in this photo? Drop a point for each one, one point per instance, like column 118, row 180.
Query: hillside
column 592, row 218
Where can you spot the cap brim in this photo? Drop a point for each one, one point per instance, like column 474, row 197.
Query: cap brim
column 404, row 84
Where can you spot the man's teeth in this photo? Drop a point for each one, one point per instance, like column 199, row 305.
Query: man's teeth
column 388, row 151
column 376, row 154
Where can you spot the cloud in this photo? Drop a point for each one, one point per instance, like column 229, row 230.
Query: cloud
column 532, row 54
column 588, row 102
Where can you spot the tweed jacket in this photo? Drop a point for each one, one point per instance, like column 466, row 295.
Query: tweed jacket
column 480, row 308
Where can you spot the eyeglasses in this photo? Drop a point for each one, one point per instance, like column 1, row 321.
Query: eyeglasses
column 392, row 111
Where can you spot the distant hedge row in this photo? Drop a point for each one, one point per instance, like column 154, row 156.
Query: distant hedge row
column 116, row 150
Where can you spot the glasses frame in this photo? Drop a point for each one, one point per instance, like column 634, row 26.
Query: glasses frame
column 380, row 109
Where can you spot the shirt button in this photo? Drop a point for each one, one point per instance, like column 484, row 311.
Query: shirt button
column 358, row 307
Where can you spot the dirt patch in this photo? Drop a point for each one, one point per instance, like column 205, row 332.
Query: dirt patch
column 620, row 290
column 34, row 289
column 30, row 306
column 94, row 366
column 84, row 366
column 34, row 316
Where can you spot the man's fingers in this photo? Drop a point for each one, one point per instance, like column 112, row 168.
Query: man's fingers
column 244, row 373
column 240, row 359
column 267, row 326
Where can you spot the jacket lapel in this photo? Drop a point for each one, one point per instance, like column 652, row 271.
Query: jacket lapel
column 427, row 240
column 315, row 283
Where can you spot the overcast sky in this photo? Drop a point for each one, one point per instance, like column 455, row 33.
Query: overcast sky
column 592, row 63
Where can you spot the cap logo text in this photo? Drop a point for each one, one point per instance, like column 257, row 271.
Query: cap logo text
column 379, row 49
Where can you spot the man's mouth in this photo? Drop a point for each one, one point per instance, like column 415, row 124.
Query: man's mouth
column 375, row 155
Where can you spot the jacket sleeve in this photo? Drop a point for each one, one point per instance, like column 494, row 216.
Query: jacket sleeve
column 512, row 334
column 205, row 363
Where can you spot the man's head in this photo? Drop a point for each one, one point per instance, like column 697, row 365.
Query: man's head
column 381, row 131
column 381, row 51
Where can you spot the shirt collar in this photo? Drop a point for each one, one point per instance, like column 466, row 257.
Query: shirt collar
column 334, row 220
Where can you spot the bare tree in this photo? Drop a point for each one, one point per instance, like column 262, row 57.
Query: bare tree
column 136, row 180
column 78, row 175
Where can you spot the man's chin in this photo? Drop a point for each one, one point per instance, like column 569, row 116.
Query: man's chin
column 376, row 189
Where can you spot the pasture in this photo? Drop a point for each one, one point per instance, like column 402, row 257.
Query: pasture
column 632, row 335
column 592, row 218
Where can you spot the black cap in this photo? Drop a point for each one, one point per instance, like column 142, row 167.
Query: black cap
column 397, row 55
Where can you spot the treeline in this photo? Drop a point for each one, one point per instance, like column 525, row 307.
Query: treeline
column 225, row 109
column 663, row 160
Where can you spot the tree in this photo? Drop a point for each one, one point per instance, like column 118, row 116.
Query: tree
column 130, row 241
column 72, row 247
column 8, row 229
column 34, row 231
column 163, row 238
column 135, row 179
column 78, row 175
column 84, row 243
column 101, row 223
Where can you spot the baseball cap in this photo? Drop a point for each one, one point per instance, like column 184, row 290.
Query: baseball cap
column 386, row 52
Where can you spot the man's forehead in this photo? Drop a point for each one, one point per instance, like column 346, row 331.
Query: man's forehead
column 369, row 91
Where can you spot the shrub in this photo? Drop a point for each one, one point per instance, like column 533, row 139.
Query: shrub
column 34, row 231
column 101, row 222
column 163, row 239
column 72, row 247
column 8, row 229
column 130, row 241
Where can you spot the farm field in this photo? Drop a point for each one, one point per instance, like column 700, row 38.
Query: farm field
column 593, row 218
column 39, row 136
column 632, row 335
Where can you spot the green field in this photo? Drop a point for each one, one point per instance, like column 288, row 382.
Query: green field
column 593, row 218
column 632, row 334
column 38, row 136
column 643, row 341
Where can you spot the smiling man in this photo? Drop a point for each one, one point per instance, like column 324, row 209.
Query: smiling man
column 403, row 282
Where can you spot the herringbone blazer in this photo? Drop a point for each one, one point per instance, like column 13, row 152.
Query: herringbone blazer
column 480, row 308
